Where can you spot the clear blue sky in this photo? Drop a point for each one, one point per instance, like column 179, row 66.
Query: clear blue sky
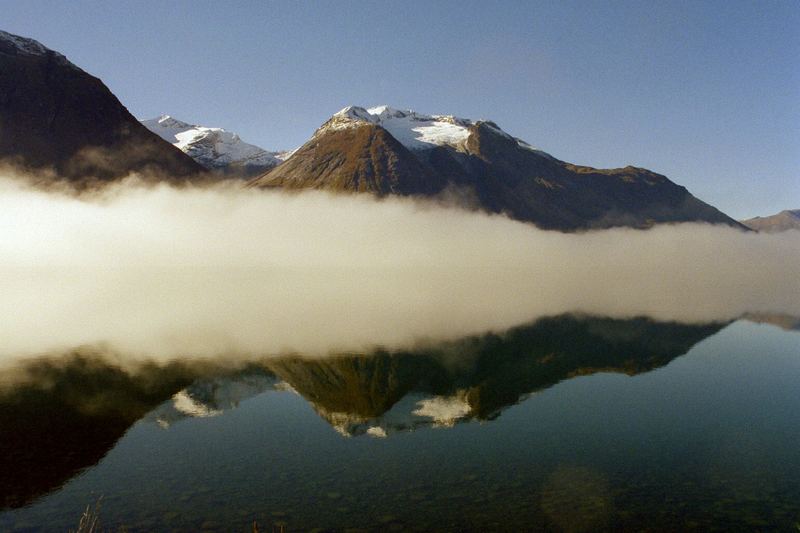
column 705, row 92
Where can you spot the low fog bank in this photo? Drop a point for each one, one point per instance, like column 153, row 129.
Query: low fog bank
column 165, row 272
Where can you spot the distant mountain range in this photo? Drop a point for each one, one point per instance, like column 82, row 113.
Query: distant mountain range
column 385, row 151
column 64, row 123
column 783, row 221
column 57, row 119
column 216, row 149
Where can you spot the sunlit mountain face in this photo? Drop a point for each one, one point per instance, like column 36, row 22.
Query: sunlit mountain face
column 386, row 151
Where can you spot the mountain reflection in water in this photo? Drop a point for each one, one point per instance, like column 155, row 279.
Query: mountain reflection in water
column 59, row 415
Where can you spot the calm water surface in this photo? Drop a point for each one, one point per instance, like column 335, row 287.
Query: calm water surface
column 569, row 423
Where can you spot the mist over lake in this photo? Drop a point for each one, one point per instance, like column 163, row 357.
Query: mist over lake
column 201, row 272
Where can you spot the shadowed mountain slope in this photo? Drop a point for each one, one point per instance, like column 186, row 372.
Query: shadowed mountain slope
column 56, row 118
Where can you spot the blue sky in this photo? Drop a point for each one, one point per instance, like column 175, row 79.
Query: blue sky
column 707, row 93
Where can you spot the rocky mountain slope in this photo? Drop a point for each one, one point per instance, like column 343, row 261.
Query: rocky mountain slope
column 54, row 117
column 783, row 221
column 386, row 151
column 215, row 149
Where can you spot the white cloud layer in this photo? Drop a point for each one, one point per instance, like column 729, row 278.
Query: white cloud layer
column 162, row 272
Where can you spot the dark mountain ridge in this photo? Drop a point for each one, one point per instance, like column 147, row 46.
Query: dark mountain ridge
column 56, row 118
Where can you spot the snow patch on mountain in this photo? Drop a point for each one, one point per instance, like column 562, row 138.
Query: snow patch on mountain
column 443, row 410
column 415, row 130
column 189, row 406
column 210, row 397
column 412, row 412
column 214, row 148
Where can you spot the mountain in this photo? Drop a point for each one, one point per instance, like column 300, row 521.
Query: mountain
column 54, row 117
column 783, row 221
column 215, row 149
column 385, row 151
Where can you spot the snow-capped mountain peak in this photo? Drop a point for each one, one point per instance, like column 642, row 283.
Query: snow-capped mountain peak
column 167, row 127
column 214, row 148
column 353, row 113
column 167, row 121
column 415, row 131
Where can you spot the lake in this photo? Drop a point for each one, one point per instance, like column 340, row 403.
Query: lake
column 570, row 423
